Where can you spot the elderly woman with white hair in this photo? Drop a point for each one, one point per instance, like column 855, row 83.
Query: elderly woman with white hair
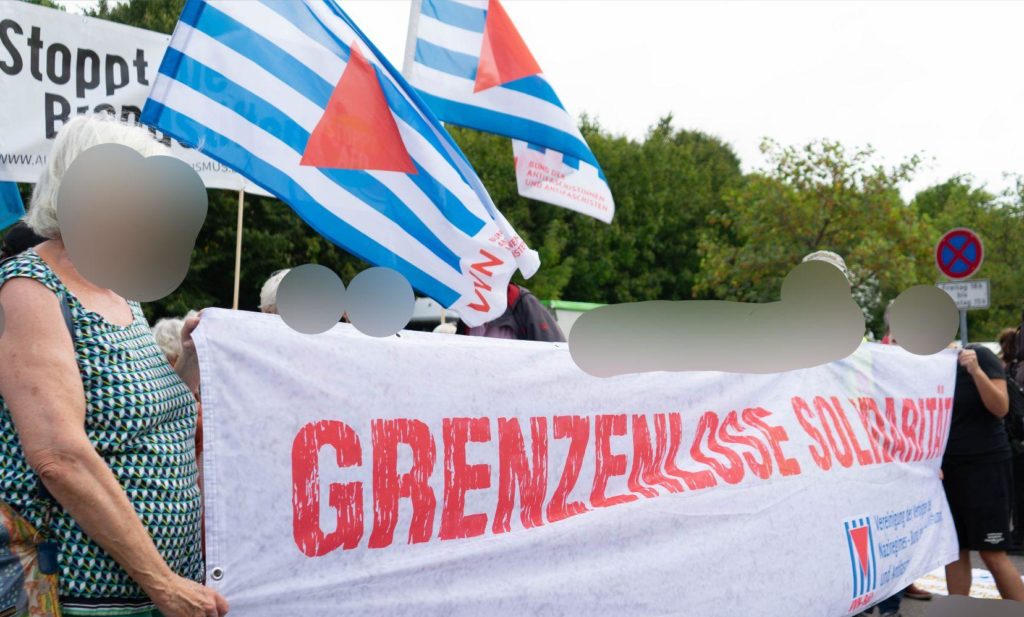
column 268, row 293
column 96, row 427
column 167, row 333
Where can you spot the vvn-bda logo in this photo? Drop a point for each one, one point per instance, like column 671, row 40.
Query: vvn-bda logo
column 860, row 540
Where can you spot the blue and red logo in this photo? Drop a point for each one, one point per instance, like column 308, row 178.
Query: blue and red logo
column 860, row 540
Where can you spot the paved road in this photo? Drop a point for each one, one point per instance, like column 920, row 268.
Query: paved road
column 916, row 608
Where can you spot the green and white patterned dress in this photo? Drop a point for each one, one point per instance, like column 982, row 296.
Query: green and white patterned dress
column 142, row 420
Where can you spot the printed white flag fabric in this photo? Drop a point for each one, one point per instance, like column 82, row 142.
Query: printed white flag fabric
column 427, row 474
column 470, row 64
column 56, row 65
column 547, row 175
column 296, row 98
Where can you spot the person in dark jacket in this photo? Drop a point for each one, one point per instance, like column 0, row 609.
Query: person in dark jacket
column 978, row 473
column 19, row 238
column 1008, row 348
column 1018, row 363
column 525, row 319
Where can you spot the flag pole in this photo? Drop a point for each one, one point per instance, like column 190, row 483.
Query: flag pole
column 410, row 41
column 238, row 247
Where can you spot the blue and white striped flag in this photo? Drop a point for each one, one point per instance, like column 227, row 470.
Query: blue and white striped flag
column 294, row 97
column 472, row 67
column 12, row 207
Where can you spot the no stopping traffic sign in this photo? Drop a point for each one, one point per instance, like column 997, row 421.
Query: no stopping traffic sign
column 959, row 253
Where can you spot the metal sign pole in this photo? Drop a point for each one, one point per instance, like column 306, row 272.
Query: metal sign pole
column 958, row 255
column 963, row 327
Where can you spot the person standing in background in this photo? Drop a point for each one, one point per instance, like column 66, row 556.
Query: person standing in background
column 1008, row 354
column 1008, row 346
column 978, row 473
column 167, row 332
column 18, row 239
column 525, row 319
column 268, row 293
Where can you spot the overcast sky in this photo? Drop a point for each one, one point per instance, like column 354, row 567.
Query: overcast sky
column 945, row 79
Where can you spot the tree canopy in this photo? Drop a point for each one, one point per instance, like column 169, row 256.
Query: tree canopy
column 816, row 197
column 688, row 224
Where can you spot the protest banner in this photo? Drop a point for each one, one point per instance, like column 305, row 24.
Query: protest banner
column 55, row 65
column 427, row 474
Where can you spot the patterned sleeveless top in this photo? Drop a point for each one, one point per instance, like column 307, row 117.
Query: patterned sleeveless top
column 142, row 419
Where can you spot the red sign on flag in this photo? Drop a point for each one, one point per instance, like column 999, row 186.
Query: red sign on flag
column 357, row 130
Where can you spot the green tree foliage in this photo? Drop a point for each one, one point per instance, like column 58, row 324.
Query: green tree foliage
column 688, row 223
column 999, row 221
column 50, row 4
column 157, row 15
column 664, row 187
column 816, row 197
column 273, row 238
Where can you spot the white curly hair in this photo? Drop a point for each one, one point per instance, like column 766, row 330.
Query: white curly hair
column 74, row 138
column 167, row 332
column 268, row 294
column 830, row 258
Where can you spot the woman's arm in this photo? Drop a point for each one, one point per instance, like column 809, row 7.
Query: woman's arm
column 41, row 384
column 993, row 394
column 993, row 391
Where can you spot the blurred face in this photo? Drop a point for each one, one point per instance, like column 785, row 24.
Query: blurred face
column 129, row 223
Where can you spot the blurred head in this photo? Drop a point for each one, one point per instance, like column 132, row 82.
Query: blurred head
column 888, row 338
column 167, row 333
column 18, row 239
column 830, row 258
column 75, row 137
column 1008, row 345
column 268, row 294
column 445, row 328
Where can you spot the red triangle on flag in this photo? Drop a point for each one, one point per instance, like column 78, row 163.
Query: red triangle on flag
column 357, row 130
column 860, row 542
column 504, row 56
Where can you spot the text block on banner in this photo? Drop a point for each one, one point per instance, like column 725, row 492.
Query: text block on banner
column 544, row 175
column 56, row 65
column 429, row 474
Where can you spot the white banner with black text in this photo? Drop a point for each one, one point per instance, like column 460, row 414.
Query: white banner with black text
column 56, row 65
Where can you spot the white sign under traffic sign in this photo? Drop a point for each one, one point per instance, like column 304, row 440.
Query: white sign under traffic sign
column 968, row 295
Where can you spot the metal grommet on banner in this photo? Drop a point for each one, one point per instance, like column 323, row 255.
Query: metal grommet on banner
column 217, row 574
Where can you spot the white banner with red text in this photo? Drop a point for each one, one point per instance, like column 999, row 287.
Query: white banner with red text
column 55, row 65
column 430, row 474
